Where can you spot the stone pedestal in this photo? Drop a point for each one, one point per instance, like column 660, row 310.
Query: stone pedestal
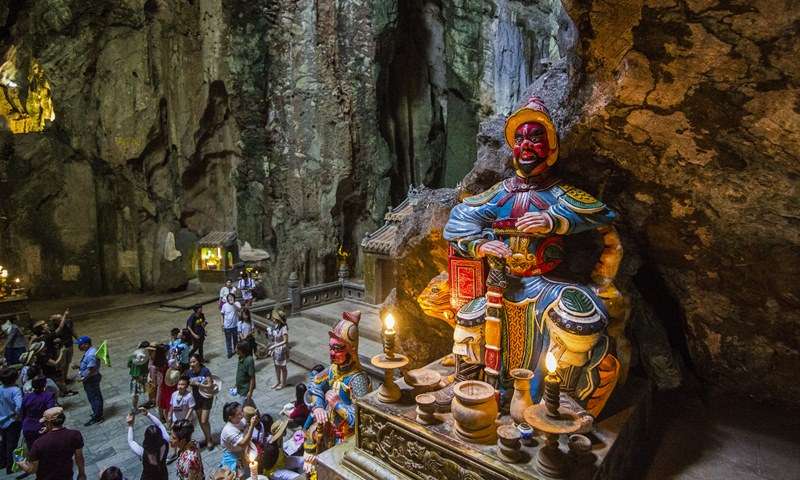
column 390, row 444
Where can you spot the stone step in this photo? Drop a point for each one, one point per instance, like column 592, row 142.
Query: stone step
column 369, row 327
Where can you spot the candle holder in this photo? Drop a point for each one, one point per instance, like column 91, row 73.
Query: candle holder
column 388, row 361
column 550, row 460
column 426, row 409
column 509, row 448
column 389, row 392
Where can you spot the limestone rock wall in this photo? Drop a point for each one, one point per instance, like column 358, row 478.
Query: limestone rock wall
column 141, row 146
column 689, row 122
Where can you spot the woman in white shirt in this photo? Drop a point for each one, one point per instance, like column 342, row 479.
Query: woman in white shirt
column 153, row 450
column 235, row 436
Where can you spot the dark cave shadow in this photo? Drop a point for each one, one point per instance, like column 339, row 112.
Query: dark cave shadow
column 720, row 434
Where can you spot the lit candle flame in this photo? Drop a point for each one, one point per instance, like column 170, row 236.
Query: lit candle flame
column 389, row 322
column 16, row 280
column 551, row 362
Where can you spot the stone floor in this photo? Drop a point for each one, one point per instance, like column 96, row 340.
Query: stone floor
column 106, row 443
column 696, row 438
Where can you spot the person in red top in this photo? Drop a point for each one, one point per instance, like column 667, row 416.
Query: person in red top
column 299, row 411
column 52, row 454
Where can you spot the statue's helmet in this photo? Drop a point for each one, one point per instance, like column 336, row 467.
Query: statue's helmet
column 346, row 329
column 534, row 111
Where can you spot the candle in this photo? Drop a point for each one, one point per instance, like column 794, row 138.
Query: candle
column 253, row 465
column 16, row 280
column 388, row 335
column 552, row 385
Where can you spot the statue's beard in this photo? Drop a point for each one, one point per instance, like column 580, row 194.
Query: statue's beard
column 529, row 166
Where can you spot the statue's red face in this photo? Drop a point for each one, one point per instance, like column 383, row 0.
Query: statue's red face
column 339, row 352
column 531, row 148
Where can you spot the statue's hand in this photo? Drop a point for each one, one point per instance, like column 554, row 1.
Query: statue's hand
column 495, row 248
column 535, row 222
column 309, row 461
column 320, row 415
column 331, row 397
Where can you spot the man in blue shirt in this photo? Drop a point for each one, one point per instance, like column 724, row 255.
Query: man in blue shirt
column 10, row 424
column 89, row 374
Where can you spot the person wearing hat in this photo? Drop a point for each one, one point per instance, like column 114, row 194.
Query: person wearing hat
column 519, row 224
column 53, row 453
column 138, row 369
column 89, row 375
column 10, row 416
column 279, row 334
column 332, row 392
column 275, row 463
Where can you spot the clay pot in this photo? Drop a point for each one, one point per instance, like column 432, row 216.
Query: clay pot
column 526, row 434
column 426, row 407
column 522, row 393
column 509, row 437
column 474, row 411
column 508, row 445
column 422, row 380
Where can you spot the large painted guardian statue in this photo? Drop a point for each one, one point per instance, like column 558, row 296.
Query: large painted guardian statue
column 333, row 391
column 518, row 225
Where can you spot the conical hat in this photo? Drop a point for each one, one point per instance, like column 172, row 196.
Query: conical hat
column 208, row 391
column 533, row 111
column 172, row 376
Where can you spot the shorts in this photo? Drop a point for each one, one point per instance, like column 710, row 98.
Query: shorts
column 280, row 356
column 137, row 386
column 203, row 403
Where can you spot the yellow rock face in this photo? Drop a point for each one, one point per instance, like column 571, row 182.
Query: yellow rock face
column 25, row 108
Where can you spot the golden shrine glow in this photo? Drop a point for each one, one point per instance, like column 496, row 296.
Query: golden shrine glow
column 26, row 102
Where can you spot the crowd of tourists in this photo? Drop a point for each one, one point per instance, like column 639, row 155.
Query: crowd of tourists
column 172, row 390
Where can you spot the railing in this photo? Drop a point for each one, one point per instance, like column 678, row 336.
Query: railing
column 301, row 298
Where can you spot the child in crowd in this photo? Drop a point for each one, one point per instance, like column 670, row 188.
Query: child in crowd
column 181, row 408
column 186, row 350
column 137, row 369
column 176, row 350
